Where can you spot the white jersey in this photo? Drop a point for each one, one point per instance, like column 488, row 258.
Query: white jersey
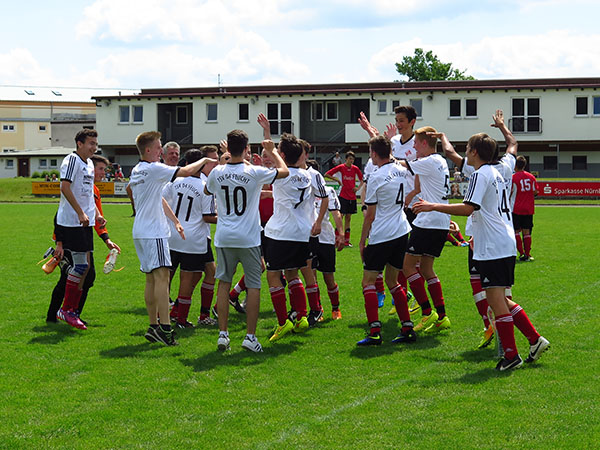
column 318, row 180
column 80, row 174
column 368, row 170
column 493, row 236
column 327, row 235
column 435, row 187
column 405, row 151
column 190, row 204
column 386, row 189
column 236, row 187
column 293, row 206
column 506, row 167
column 147, row 182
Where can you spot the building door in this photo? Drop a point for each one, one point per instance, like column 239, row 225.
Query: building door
column 23, row 170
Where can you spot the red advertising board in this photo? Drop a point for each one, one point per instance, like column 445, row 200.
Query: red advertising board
column 568, row 189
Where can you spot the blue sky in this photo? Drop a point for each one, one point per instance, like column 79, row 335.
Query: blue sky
column 158, row 43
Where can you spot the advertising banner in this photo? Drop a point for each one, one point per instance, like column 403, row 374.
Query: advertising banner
column 559, row 189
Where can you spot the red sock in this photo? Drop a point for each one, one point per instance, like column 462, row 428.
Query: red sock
column 347, row 236
column 279, row 303
column 480, row 299
column 72, row 293
column 238, row 288
column 527, row 244
column 459, row 236
column 519, row 243
column 297, row 296
column 524, row 325
column 174, row 311
column 399, row 296
column 379, row 287
column 207, row 292
column 451, row 239
column 371, row 306
column 183, row 308
column 314, row 297
column 334, row 296
column 506, row 333
column 417, row 286
column 435, row 290
column 402, row 280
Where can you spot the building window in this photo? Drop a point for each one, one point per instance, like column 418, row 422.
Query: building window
column 550, row 163
column 395, row 104
column 580, row 162
column 9, row 128
column 8, row 149
column 181, row 115
column 381, row 106
column 455, row 108
column 10, row 163
column 280, row 117
column 53, row 163
column 331, row 111
column 581, row 106
column 417, row 103
column 211, row 112
column 596, row 105
column 471, row 107
column 526, row 115
column 42, row 128
column 43, row 163
column 123, row 114
column 316, row 111
column 138, row 113
column 243, row 112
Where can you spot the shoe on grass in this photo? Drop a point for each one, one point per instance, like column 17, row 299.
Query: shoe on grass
column 536, row 350
column 426, row 321
column 487, row 336
column 282, row 330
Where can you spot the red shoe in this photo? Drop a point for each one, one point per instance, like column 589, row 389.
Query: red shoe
column 72, row 319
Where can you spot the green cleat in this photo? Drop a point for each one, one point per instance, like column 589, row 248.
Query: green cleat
column 487, row 336
column 426, row 321
column 438, row 325
column 301, row 325
column 282, row 330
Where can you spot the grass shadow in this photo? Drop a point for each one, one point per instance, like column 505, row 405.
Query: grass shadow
column 128, row 351
column 58, row 333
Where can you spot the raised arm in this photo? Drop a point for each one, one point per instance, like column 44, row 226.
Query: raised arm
column 193, row 168
column 266, row 126
column 366, row 125
column 282, row 169
column 448, row 148
column 511, row 143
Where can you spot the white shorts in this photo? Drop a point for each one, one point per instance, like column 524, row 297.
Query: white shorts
column 152, row 253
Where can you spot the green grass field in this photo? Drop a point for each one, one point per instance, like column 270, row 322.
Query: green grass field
column 108, row 388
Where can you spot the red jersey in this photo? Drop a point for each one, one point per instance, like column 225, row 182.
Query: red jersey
column 265, row 206
column 524, row 184
column 349, row 175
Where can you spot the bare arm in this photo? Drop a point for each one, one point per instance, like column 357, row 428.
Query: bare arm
column 511, row 143
column 266, row 126
column 316, row 228
column 457, row 209
column 210, row 218
column 448, row 148
column 65, row 189
column 192, row 169
column 282, row 169
column 366, row 125
column 366, row 228
column 339, row 226
column 415, row 191
column 171, row 215
column 130, row 195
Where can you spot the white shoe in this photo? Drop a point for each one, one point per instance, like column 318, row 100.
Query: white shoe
column 223, row 343
column 252, row 344
column 536, row 350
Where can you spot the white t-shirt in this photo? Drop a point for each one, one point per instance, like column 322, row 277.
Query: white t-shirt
column 188, row 201
column 81, row 175
column 147, row 182
column 493, row 236
column 293, row 206
column 435, row 187
column 327, row 235
column 386, row 189
column 368, row 170
column 236, row 187
column 405, row 151
column 318, row 180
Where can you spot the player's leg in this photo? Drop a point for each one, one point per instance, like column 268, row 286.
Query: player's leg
column 527, row 243
column 371, row 308
column 518, row 230
column 537, row 343
column 252, row 264
column 207, row 294
column 87, row 284
column 58, row 293
column 434, row 286
column 187, row 284
column 333, row 291
column 479, row 296
column 417, row 286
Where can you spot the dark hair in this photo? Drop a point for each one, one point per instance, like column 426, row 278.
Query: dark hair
column 305, row 145
column 206, row 149
column 312, row 163
column 290, row 148
column 486, row 147
column 237, row 141
column 381, row 146
column 521, row 163
column 97, row 159
column 192, row 155
column 350, row 153
column 82, row 135
column 408, row 111
column 145, row 139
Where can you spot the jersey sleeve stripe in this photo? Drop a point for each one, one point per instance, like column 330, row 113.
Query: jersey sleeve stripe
column 471, row 187
column 409, row 168
column 175, row 175
column 321, row 188
column 70, row 168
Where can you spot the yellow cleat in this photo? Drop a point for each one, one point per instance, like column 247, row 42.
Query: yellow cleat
column 301, row 325
column 487, row 336
column 282, row 330
column 426, row 321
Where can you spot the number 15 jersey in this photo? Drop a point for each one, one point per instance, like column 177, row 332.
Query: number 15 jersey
column 236, row 187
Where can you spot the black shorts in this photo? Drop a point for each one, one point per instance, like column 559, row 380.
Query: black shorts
column 426, row 241
column 191, row 262
column 472, row 264
column 76, row 239
column 376, row 256
column 522, row 222
column 324, row 258
column 497, row 272
column 347, row 206
column 410, row 215
column 285, row 255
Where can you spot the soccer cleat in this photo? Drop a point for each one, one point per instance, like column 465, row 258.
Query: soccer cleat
column 223, row 342
column 71, row 318
column 252, row 344
column 487, row 336
column 151, row 335
column 60, row 314
column 314, row 317
column 166, row 337
column 380, row 299
column 523, row 258
column 236, row 304
column 414, row 312
column 282, row 330
column 207, row 320
column 530, row 259
column 426, row 321
column 392, row 311
column 370, row 339
column 438, row 325
column 404, row 338
column 184, row 325
column 301, row 325
column 509, row 364
column 336, row 314
column 535, row 350
column 464, row 244
column 111, row 260
column 214, row 312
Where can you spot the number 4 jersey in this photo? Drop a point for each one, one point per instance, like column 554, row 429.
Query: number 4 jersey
column 236, row 187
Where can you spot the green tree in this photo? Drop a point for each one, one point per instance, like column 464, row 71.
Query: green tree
column 427, row 67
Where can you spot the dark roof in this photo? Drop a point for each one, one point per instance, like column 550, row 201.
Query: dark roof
column 352, row 88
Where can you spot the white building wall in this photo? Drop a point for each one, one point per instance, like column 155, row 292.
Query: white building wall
column 111, row 132
column 5, row 171
column 34, row 138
